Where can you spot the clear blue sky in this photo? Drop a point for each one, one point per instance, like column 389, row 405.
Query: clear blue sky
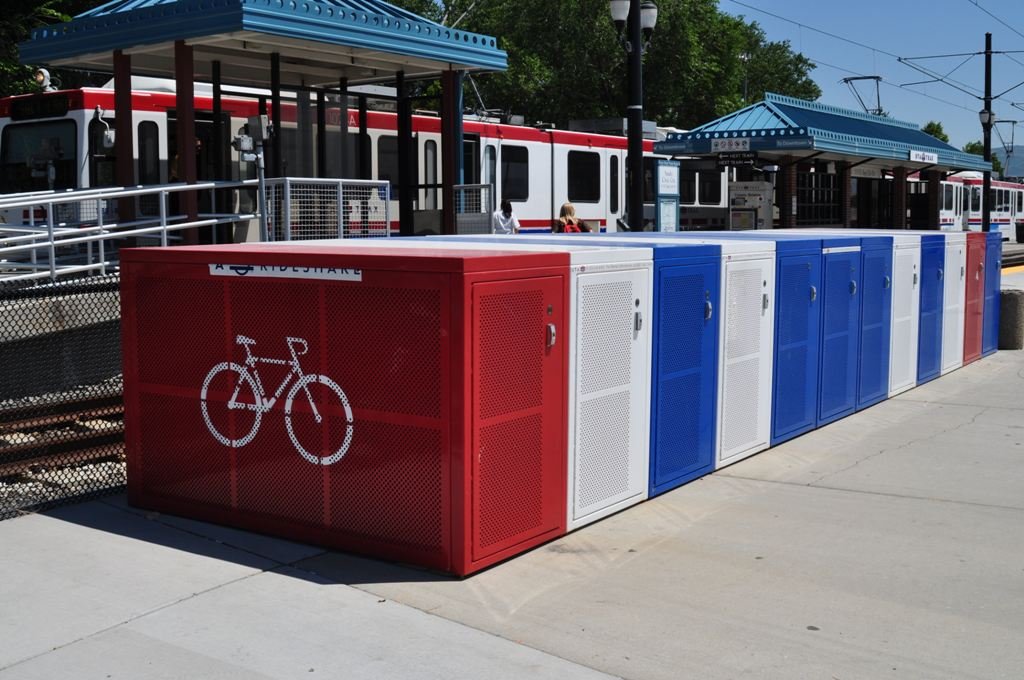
column 906, row 28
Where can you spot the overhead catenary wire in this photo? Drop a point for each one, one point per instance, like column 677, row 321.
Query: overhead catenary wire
column 978, row 5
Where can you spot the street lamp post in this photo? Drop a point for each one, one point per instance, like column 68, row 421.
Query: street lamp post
column 637, row 19
column 986, row 116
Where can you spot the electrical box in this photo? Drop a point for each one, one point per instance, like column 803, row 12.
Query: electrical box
column 750, row 205
column 408, row 405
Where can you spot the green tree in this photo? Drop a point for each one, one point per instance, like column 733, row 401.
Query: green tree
column 16, row 23
column 693, row 71
column 978, row 149
column 934, row 128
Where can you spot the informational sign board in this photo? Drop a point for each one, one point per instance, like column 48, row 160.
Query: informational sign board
column 667, row 213
column 735, row 158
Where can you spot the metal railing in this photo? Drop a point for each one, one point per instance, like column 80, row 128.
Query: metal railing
column 58, row 233
column 300, row 208
column 474, row 208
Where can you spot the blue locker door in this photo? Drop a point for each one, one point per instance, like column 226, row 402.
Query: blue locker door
column 876, row 327
column 840, row 338
column 929, row 345
column 686, row 361
column 990, row 323
column 797, row 338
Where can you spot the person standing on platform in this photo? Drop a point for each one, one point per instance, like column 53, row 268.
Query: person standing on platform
column 504, row 221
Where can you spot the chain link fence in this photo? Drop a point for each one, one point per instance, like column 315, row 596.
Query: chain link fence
column 303, row 209
column 61, row 407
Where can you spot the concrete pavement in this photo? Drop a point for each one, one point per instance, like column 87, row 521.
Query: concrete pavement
column 888, row 544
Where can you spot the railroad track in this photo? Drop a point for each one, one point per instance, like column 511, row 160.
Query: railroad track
column 70, row 432
column 1013, row 258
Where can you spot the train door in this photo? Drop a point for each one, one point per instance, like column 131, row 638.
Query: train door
column 522, row 173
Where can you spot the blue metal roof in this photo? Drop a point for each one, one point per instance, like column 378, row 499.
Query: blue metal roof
column 363, row 40
column 788, row 126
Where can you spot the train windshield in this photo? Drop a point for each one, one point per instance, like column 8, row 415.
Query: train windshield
column 38, row 156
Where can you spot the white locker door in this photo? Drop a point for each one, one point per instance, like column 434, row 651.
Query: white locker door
column 906, row 306
column 953, row 292
column 609, row 460
column 745, row 378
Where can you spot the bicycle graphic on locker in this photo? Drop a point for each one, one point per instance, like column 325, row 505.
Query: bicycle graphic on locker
column 258, row 403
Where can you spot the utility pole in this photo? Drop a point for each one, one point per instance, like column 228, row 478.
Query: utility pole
column 635, row 121
column 986, row 124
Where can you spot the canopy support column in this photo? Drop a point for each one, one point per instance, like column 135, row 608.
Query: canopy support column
column 123, row 129
column 186, row 131
column 451, row 146
column 345, row 165
column 276, row 162
column 787, row 194
column 321, row 133
column 845, row 177
column 899, row 198
column 406, row 191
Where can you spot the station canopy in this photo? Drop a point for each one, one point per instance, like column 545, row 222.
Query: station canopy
column 784, row 127
column 319, row 41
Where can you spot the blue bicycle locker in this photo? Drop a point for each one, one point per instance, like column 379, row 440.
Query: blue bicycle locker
column 929, row 347
column 684, row 353
column 993, row 265
column 797, row 328
column 840, row 329
column 876, row 319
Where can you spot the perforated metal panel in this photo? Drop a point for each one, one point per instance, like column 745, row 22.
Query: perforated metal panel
column 974, row 296
column 797, row 334
column 840, row 340
column 876, row 326
column 953, row 293
column 609, row 458
column 746, row 366
column 993, row 262
column 906, row 299
column 929, row 355
column 686, row 353
column 515, row 458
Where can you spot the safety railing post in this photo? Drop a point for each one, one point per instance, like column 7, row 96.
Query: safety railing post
column 286, row 209
column 102, row 234
column 163, row 218
column 53, row 247
column 341, row 210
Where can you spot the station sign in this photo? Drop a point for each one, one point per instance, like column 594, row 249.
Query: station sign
column 923, row 157
column 733, row 158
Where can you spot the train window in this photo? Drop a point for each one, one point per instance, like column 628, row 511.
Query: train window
column 976, row 199
column 28, row 150
column 387, row 163
column 649, row 172
column 613, row 184
column 584, row 170
column 688, row 187
column 430, row 173
column 710, row 187
column 1020, row 202
column 947, row 197
column 515, row 173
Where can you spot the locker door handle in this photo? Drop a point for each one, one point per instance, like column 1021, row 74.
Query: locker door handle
column 552, row 335
column 962, row 272
column 764, row 303
column 638, row 321
column 814, row 293
column 915, row 278
column 888, row 282
column 709, row 309
column 940, row 274
column 853, row 287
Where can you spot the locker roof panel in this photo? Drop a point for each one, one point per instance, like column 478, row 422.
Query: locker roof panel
column 578, row 254
column 728, row 246
column 342, row 256
column 661, row 248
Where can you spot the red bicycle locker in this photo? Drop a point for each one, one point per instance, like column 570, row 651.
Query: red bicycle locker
column 409, row 405
column 974, row 307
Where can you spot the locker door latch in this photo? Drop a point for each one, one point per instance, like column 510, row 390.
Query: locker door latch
column 915, row 278
column 888, row 282
column 814, row 293
column 708, row 310
column 552, row 335
column 764, row 303
column 853, row 287
column 638, row 321
column 940, row 274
